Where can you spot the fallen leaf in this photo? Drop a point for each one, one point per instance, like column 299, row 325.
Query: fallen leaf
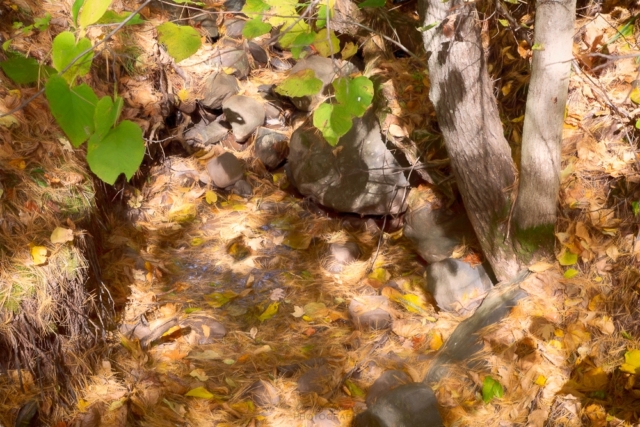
column 61, row 235
column 297, row 311
column 39, row 255
column 200, row 374
column 200, row 392
column 269, row 312
column 210, row 197
column 631, row 362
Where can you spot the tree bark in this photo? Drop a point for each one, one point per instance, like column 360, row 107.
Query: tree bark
column 535, row 210
column 462, row 93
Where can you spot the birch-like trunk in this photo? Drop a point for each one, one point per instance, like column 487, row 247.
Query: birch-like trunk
column 535, row 210
column 462, row 93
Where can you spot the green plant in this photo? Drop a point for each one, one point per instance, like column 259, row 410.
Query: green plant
column 113, row 146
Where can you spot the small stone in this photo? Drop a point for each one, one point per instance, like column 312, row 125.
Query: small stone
column 234, row 27
column 242, row 188
column 263, row 393
column 202, row 135
column 209, row 25
column 258, row 53
column 218, row 87
column 204, row 330
column 457, row 286
column 315, row 380
column 230, row 53
column 244, row 114
column 370, row 312
column 271, row 147
column 340, row 255
column 225, row 170
column 324, row 418
column 408, row 405
column 385, row 383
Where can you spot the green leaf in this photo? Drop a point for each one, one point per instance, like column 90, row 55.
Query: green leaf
column 571, row 273
column 106, row 115
column 65, row 49
column 321, row 21
column 269, row 312
column 428, row 27
column 92, row 10
column 631, row 363
column 302, row 83
column 181, row 41
column 303, row 40
column 635, row 206
column 356, row 94
column 255, row 28
column 120, row 151
column 372, row 3
column 503, row 22
column 111, row 17
column 75, row 9
column 637, row 123
column 333, row 121
column 326, row 45
column 491, row 388
column 567, row 258
column 200, row 392
column 349, row 50
column 42, row 23
column 290, row 36
column 354, row 390
column 25, row 70
column 73, row 109
column 254, row 8
column 537, row 46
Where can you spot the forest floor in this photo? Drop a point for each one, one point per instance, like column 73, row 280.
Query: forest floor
column 191, row 264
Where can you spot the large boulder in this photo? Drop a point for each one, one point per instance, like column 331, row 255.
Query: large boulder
column 409, row 405
column 361, row 176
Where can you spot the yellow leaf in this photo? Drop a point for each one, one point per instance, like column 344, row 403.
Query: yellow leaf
column 326, row 44
column 200, row 392
column 567, row 258
column 349, row 50
column 635, row 95
column 596, row 303
column 218, row 299
column 436, row 341
column 539, row 267
column 39, row 255
column 210, row 197
column 269, row 312
column 571, row 273
column 183, row 213
column 18, row 163
column 541, row 380
column 82, row 405
column 393, row 294
column 380, row 274
column 183, row 94
column 297, row 240
column 61, row 235
column 413, row 303
column 197, row 241
column 631, row 362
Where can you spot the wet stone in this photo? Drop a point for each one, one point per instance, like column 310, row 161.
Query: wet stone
column 385, row 383
column 370, row 312
column 218, row 87
column 258, row 53
column 457, row 286
column 271, row 147
column 225, row 170
column 244, row 114
column 315, row 380
column 263, row 393
column 340, row 255
column 409, row 405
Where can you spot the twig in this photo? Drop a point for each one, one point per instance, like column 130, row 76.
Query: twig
column 79, row 57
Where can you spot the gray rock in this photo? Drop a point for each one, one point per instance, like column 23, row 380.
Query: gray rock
column 340, row 255
column 409, row 405
column 315, row 380
column 263, row 393
column 225, row 170
column 291, row 369
column 370, row 312
column 457, row 286
column 464, row 341
column 233, row 5
column 385, row 383
column 324, row 418
column 362, row 177
column 218, row 87
column 209, row 25
column 242, row 188
column 258, row 53
column 244, row 114
column 204, row 330
column 202, row 135
column 271, row 147
column 233, row 27
column 326, row 69
column 230, row 53
column 436, row 232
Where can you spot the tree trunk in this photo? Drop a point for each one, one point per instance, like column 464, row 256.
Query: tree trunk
column 462, row 93
column 535, row 210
